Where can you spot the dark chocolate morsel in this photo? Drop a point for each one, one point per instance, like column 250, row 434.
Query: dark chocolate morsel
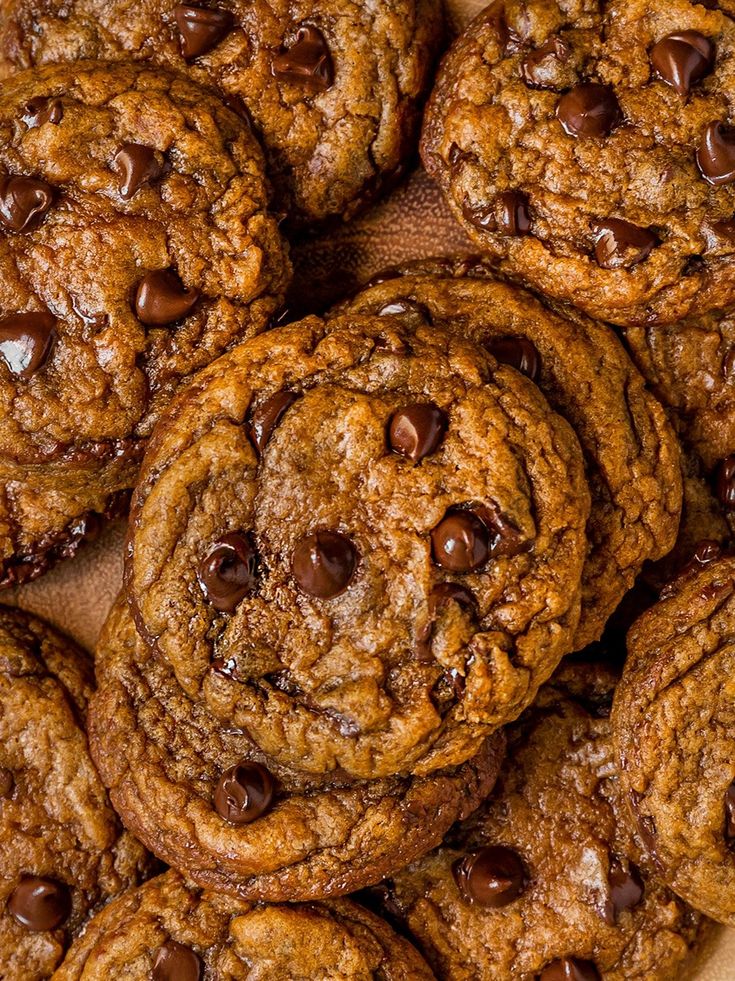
column 730, row 815
column 481, row 216
column 725, row 483
column 324, row 563
column 175, row 962
column 683, row 59
column 24, row 202
column 307, row 60
column 716, row 154
column 228, row 572
column 538, row 67
column 460, row 542
column 519, row 352
column 41, row 110
column 162, row 299
column 588, row 111
column 244, row 793
column 201, row 28
column 493, row 877
column 513, row 215
column 266, row 417
column 626, row 889
column 417, row 430
column 621, row 245
column 39, row 904
column 26, row 340
column 570, row 969
column 137, row 165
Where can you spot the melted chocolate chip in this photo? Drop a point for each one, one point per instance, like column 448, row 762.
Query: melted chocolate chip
column 201, row 28
column 728, row 364
column 626, row 889
column 510, row 40
column 440, row 597
column 539, row 68
column 266, row 417
column 493, row 877
column 706, row 552
column 460, row 542
column 621, row 245
column 40, row 110
column 162, row 299
column 588, row 111
column 725, row 483
column 324, row 563
column 24, row 202
column 7, row 783
column 716, row 154
column 518, row 352
column 730, row 815
column 481, row 216
column 40, row 904
column 513, row 214
column 399, row 308
column 137, row 165
column 307, row 60
column 228, row 572
column 417, row 430
column 570, row 969
column 244, row 793
column 26, row 340
column 683, row 59
column 175, row 962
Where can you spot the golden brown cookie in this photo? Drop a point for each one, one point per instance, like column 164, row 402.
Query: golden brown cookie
column 135, row 247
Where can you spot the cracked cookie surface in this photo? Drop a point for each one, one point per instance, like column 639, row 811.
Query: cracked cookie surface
column 362, row 540
column 588, row 148
column 333, row 88
column 63, row 852
column 674, row 717
column 205, row 800
column 631, row 454
column 543, row 880
column 135, row 247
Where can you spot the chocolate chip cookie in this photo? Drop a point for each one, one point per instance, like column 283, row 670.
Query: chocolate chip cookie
column 135, row 247
column 333, row 88
column 588, row 147
column 361, row 540
column 632, row 457
column 674, row 717
column 63, row 852
column 198, row 792
column 543, row 882
column 168, row 931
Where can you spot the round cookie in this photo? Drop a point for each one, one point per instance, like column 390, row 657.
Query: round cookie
column 167, row 930
column 673, row 718
column 543, row 882
column 206, row 801
column 334, row 89
column 632, row 457
column 63, row 852
column 135, row 247
column 588, row 148
column 362, row 541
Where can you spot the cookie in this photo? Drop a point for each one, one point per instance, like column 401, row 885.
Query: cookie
column 63, row 852
column 166, row 930
column 202, row 797
column 362, row 541
column 587, row 148
column 673, row 718
column 334, row 89
column 544, row 880
column 135, row 247
column 631, row 453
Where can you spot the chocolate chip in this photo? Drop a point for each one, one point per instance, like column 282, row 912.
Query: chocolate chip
column 24, row 201
column 481, row 216
column 730, row 815
column 518, row 352
column 539, row 68
column 40, row 110
column 40, row 904
column 440, row 597
column 626, row 889
column 266, row 417
column 6, row 782
column 570, row 969
column 244, row 793
column 728, row 364
column 162, row 299
column 417, row 430
column 307, row 60
column 137, row 165
column 399, row 308
column 683, row 59
column 493, row 877
column 324, row 563
column 621, row 245
column 26, row 340
column 706, row 552
column 716, row 154
column 513, row 215
column 588, row 111
column 201, row 28
column 510, row 40
column 725, row 483
column 460, row 542
column 175, row 962
column 228, row 572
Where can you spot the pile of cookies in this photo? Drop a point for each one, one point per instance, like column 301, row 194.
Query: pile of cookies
column 423, row 662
